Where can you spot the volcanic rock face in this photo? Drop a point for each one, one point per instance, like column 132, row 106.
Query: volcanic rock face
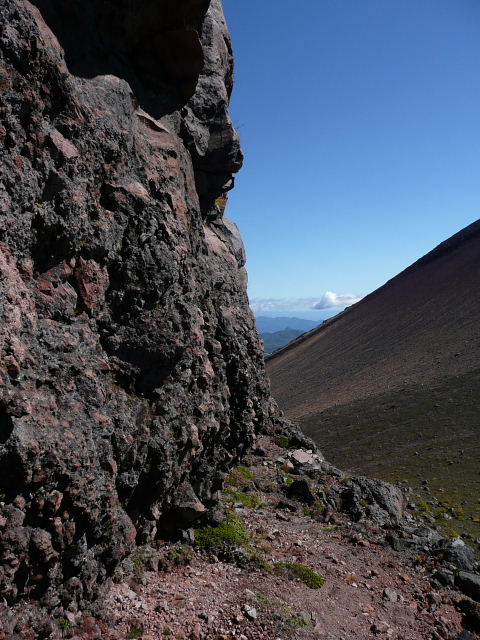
column 131, row 373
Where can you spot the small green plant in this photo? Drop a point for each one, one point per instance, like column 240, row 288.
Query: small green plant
column 245, row 472
column 64, row 625
column 282, row 612
column 135, row 632
column 167, row 631
column 139, row 561
column 239, row 476
column 256, row 560
column 180, row 555
column 230, row 532
column 284, row 442
column 250, row 500
column 297, row 571
column 316, row 511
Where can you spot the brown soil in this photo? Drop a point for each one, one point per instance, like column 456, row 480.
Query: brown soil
column 370, row 590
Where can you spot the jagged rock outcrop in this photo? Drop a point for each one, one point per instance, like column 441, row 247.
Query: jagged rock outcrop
column 131, row 373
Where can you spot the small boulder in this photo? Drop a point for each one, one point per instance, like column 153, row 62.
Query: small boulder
column 300, row 457
column 471, row 614
column 469, row 584
column 300, row 490
column 250, row 612
column 456, row 552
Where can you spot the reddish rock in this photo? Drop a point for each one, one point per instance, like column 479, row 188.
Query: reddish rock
column 92, row 282
column 63, row 146
column 133, row 367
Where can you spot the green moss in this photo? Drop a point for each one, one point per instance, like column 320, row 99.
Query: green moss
column 245, row 472
column 282, row 612
column 239, row 476
column 167, row 631
column 256, row 560
column 248, row 500
column 297, row 571
column 284, row 442
column 230, row 532
column 181, row 555
column 135, row 632
column 64, row 625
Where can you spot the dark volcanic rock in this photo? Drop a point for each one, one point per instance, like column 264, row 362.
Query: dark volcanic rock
column 368, row 499
column 471, row 613
column 469, row 583
column 130, row 362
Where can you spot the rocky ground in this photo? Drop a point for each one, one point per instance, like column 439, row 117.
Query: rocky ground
column 282, row 507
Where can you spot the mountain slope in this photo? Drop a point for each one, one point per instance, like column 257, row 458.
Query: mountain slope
column 277, row 339
column 366, row 384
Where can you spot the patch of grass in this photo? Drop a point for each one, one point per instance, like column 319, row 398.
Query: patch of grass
column 181, row 555
column 284, row 442
column 256, row 560
column 414, row 434
column 239, row 476
column 135, row 632
column 245, row 472
column 297, row 571
column 283, row 613
column 230, row 532
column 250, row 500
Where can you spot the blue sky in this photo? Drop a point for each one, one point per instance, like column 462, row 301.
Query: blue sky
column 360, row 125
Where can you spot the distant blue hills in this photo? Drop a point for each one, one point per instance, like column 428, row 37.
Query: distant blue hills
column 270, row 325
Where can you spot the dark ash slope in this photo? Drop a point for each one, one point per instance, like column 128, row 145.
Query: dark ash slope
column 391, row 386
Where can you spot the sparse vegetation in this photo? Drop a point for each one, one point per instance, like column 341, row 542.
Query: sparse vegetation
column 439, row 424
column 284, row 442
column 181, row 555
column 250, row 500
column 316, row 511
column 240, row 476
column 283, row 613
column 64, row 625
column 230, row 533
column 297, row 571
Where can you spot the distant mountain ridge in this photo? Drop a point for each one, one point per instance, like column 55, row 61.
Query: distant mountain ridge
column 278, row 339
column 270, row 325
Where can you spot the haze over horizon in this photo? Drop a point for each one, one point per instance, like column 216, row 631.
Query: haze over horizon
column 368, row 160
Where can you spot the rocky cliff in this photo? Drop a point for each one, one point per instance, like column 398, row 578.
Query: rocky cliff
column 131, row 374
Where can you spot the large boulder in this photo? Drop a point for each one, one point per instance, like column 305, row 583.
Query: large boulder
column 130, row 362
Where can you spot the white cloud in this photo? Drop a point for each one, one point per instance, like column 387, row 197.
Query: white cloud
column 282, row 304
column 329, row 300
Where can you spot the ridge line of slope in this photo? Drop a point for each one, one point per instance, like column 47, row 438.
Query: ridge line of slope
column 451, row 244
